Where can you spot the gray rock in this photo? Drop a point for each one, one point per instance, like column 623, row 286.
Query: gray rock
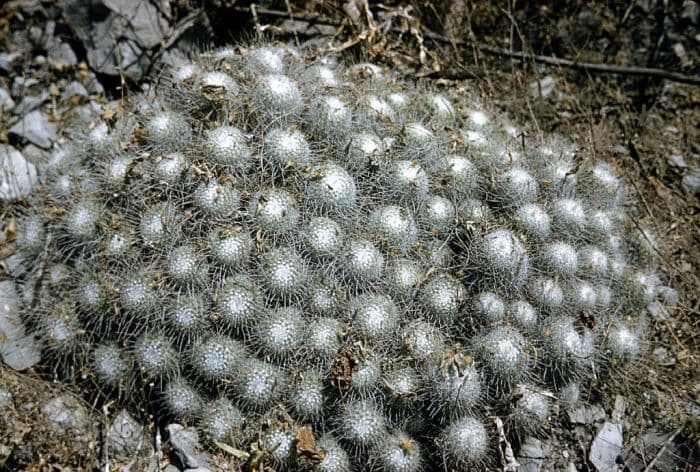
column 74, row 89
column 63, row 55
column 546, row 85
column 637, row 455
column 676, row 160
column 17, row 175
column 11, row 325
column 586, row 414
column 146, row 23
column 21, row 85
column 7, row 59
column 18, row 349
column 531, row 456
column 127, row 437
column 86, row 113
column 69, row 418
column 5, row 399
column 6, row 101
column 606, row 447
column 21, row 353
column 15, row 265
column 36, row 128
column 619, row 409
column 691, row 181
column 185, row 443
column 94, row 86
column 171, row 468
column 117, row 44
column 30, row 103
column 664, row 357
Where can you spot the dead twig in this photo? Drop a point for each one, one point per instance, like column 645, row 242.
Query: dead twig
column 590, row 67
column 661, row 451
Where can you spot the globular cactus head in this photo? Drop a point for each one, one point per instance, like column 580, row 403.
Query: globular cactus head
column 383, row 261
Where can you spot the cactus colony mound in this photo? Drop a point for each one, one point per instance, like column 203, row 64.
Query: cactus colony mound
column 266, row 241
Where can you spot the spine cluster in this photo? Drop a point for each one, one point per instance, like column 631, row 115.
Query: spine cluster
column 268, row 235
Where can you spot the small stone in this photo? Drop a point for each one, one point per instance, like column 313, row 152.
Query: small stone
column 6, row 102
column 63, row 55
column 691, row 11
column 127, row 437
column 619, row 409
column 69, row 418
column 545, row 86
column 171, row 468
column 74, row 89
column 21, row 85
column 86, row 113
column 7, row 59
column 664, row 357
column 145, row 23
column 185, row 443
column 17, row 175
column 30, row 103
column 676, row 160
column 606, row 447
column 17, row 349
column 94, row 86
column 5, row 399
column 586, row 414
column 531, row 455
column 36, row 128
column 691, row 181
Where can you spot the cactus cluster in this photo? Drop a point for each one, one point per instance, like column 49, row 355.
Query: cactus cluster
column 269, row 240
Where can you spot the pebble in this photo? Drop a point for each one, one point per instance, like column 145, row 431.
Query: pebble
column 18, row 349
column 7, row 59
column 21, row 85
column 531, row 455
column 586, row 414
column 17, row 175
column 69, row 418
column 606, row 447
column 676, row 160
column 185, row 443
column 546, row 85
column 30, row 103
column 691, row 180
column 74, row 89
column 63, row 55
column 5, row 399
column 36, row 128
column 127, row 437
column 664, row 357
column 6, row 101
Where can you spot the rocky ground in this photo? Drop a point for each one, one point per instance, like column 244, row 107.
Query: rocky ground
column 64, row 64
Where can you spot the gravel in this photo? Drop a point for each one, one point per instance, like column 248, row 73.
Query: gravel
column 36, row 128
column 127, row 437
column 606, row 447
column 17, row 349
column 17, row 175
column 185, row 444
